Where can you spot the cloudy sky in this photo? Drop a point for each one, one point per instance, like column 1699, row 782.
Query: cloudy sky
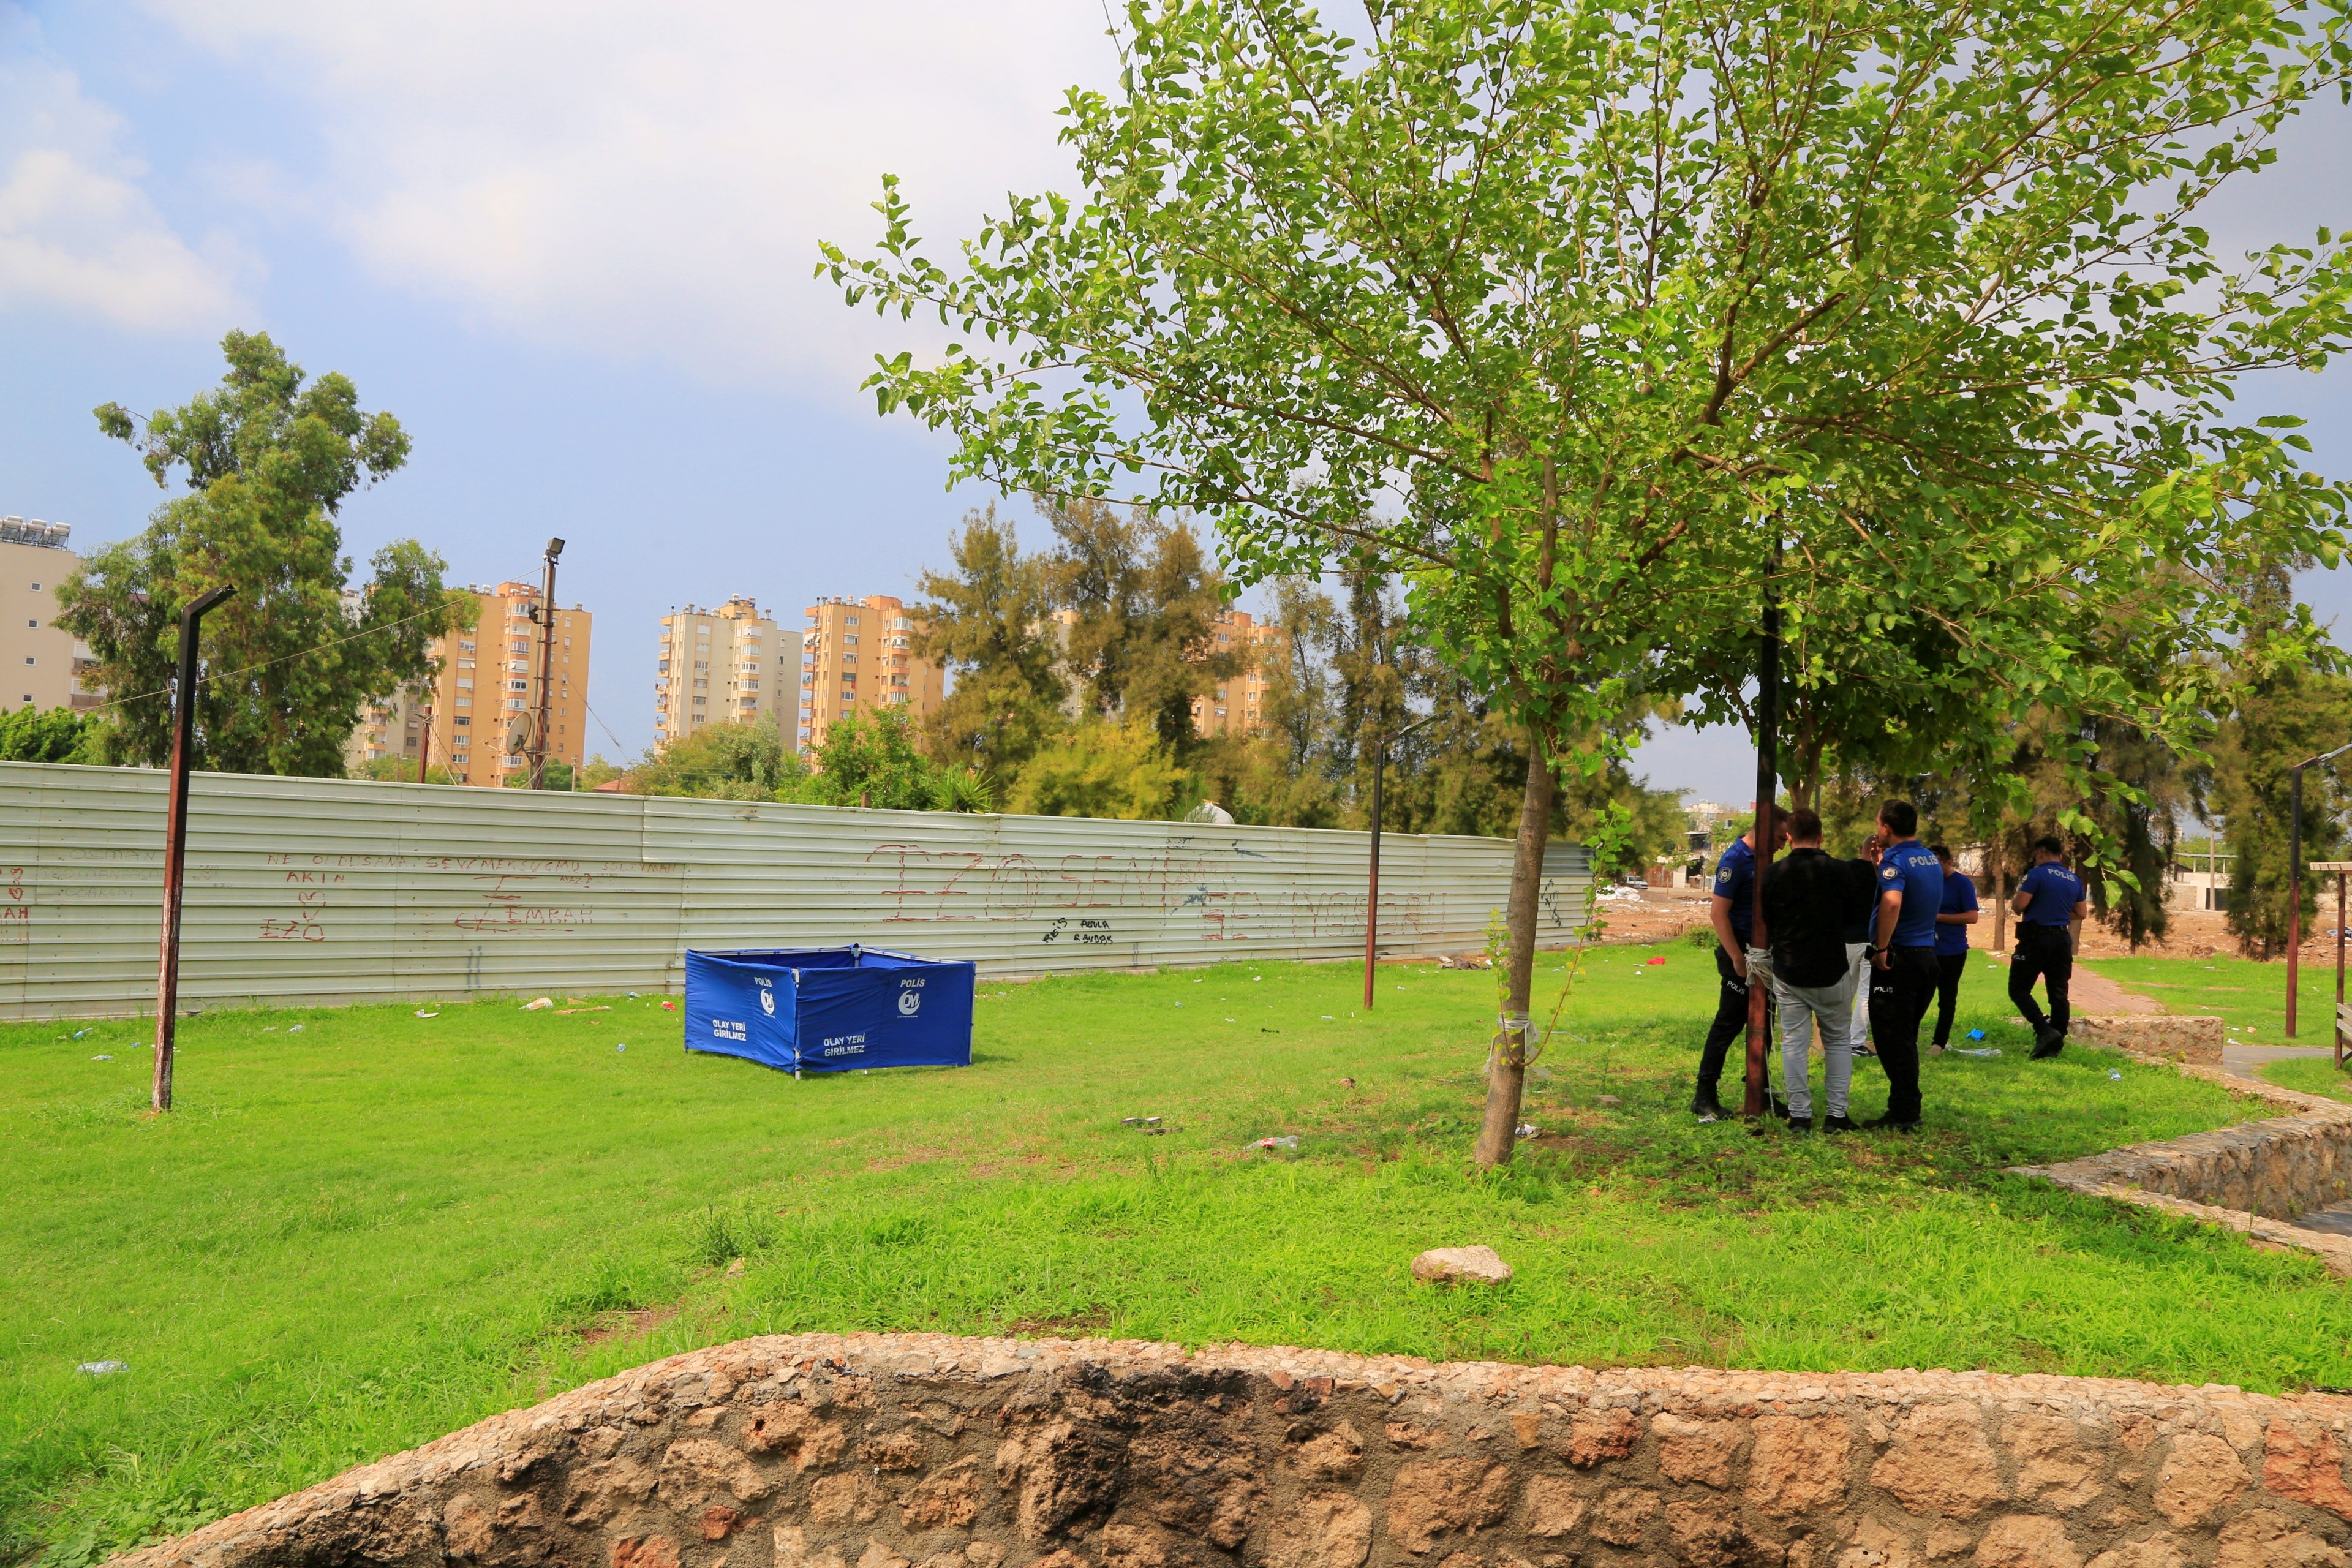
column 570, row 247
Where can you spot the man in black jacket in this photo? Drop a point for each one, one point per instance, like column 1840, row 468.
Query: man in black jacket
column 1809, row 899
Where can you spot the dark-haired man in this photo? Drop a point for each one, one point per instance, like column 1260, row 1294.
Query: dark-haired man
column 1732, row 910
column 2049, row 900
column 1903, row 952
column 1957, row 912
column 1809, row 900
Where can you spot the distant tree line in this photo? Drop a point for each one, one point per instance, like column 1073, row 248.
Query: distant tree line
column 1076, row 673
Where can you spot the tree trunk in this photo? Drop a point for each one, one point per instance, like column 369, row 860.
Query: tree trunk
column 1506, row 1076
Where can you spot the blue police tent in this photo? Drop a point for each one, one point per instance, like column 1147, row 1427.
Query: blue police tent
column 829, row 1009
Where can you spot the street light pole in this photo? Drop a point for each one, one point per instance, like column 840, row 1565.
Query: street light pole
column 546, row 618
column 175, row 845
column 2295, row 878
column 1372, row 895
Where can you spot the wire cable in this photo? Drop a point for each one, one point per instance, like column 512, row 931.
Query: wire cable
column 268, row 663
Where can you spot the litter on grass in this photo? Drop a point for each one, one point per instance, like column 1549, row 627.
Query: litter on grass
column 422, row 1014
column 103, row 1368
column 77, row 1034
column 101, row 1059
column 1326, row 1018
column 2114, row 1075
column 667, row 1007
column 622, row 1047
column 1976, row 1034
column 1290, row 1142
column 565, row 1012
column 1138, row 1121
column 1650, row 961
column 294, row 1028
column 1526, row 1130
column 1987, row 1051
column 542, row 1002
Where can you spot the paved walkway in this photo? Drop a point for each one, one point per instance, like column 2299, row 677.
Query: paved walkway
column 2244, row 1060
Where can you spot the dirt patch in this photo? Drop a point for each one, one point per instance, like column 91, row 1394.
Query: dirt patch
column 634, row 1325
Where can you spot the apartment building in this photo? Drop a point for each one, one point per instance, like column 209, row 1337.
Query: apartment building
column 1237, row 706
column 39, row 664
column 857, row 654
column 716, row 665
column 478, row 706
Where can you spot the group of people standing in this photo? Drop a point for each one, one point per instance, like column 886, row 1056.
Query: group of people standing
column 1891, row 924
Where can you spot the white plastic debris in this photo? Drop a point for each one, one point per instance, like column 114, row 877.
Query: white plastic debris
column 101, row 1059
column 1328, row 1018
column 622, row 1047
column 1986, row 1051
column 1288, row 1143
column 535, row 1007
column 103, row 1368
column 2114, row 1075
column 294, row 1029
column 422, row 1014
column 1526, row 1130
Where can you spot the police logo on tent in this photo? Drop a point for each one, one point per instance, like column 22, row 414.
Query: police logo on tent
column 910, row 1003
column 767, row 997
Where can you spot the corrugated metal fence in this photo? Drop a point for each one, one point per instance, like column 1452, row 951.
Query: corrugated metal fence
column 332, row 890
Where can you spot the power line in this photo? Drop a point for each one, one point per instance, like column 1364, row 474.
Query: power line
column 267, row 663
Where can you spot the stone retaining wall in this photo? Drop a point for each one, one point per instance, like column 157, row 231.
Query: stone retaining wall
column 2167, row 1038
column 926, row 1451
column 2253, row 1177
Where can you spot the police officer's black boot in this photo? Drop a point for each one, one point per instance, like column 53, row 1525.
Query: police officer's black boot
column 1706, row 1106
column 2047, row 1043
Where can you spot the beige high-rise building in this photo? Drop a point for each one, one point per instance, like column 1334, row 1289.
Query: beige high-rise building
column 858, row 654
column 1237, row 706
column 731, row 664
column 485, row 693
column 39, row 664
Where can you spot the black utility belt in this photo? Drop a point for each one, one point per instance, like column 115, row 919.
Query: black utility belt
column 2043, row 925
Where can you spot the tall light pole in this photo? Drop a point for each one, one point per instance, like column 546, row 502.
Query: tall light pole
column 544, row 614
column 1372, row 897
column 2295, row 878
column 175, row 845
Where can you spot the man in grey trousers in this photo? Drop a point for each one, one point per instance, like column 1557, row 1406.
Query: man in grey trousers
column 1810, row 899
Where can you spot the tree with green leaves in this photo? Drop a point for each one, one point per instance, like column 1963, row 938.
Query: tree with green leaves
column 989, row 621
column 873, row 758
column 1144, row 598
column 58, row 735
column 745, row 760
column 1600, row 320
column 2277, row 708
column 267, row 461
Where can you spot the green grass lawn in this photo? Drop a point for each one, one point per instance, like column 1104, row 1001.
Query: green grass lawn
column 2250, row 997
column 364, row 1232
column 2312, row 1075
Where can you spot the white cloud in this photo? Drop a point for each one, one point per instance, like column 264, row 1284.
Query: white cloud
column 76, row 230
column 654, row 180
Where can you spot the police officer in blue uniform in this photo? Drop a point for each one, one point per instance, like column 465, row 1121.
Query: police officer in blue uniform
column 1732, row 912
column 1903, row 957
column 1952, row 921
column 2050, row 898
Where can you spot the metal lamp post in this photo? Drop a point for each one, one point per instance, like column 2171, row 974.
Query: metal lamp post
column 2295, row 878
column 1373, row 898
column 544, row 614
column 175, row 845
